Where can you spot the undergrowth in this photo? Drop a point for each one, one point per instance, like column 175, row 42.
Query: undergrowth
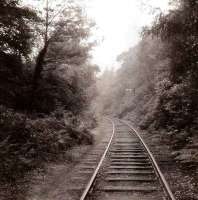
column 26, row 143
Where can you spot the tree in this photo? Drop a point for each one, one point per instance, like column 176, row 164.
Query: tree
column 178, row 29
column 47, row 35
column 66, row 72
column 16, row 35
column 16, row 41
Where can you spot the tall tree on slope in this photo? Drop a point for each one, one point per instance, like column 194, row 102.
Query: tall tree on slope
column 179, row 30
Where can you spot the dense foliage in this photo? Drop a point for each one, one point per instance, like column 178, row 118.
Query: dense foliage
column 27, row 144
column 16, row 32
column 179, row 31
column 40, row 122
column 66, row 73
column 16, row 39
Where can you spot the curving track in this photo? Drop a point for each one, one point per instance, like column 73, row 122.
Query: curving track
column 125, row 169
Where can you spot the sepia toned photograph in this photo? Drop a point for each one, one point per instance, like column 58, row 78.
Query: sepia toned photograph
column 98, row 99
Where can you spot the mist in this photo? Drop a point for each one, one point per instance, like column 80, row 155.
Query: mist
column 98, row 99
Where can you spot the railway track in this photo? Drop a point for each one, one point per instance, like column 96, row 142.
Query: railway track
column 121, row 167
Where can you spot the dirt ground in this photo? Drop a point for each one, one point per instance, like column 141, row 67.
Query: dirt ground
column 47, row 183
column 56, row 180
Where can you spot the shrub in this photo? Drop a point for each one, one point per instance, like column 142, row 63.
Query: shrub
column 26, row 143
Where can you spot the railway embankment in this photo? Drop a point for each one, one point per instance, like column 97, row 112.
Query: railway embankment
column 177, row 165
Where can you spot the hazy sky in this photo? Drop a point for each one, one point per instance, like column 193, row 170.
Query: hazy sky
column 119, row 23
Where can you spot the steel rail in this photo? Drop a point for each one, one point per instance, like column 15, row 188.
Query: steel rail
column 155, row 165
column 91, row 182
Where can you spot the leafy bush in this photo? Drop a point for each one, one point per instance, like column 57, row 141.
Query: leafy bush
column 26, row 143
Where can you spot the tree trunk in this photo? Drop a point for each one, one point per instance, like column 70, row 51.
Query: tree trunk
column 39, row 66
column 37, row 73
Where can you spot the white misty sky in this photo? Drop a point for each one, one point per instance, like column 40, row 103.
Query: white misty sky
column 119, row 23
